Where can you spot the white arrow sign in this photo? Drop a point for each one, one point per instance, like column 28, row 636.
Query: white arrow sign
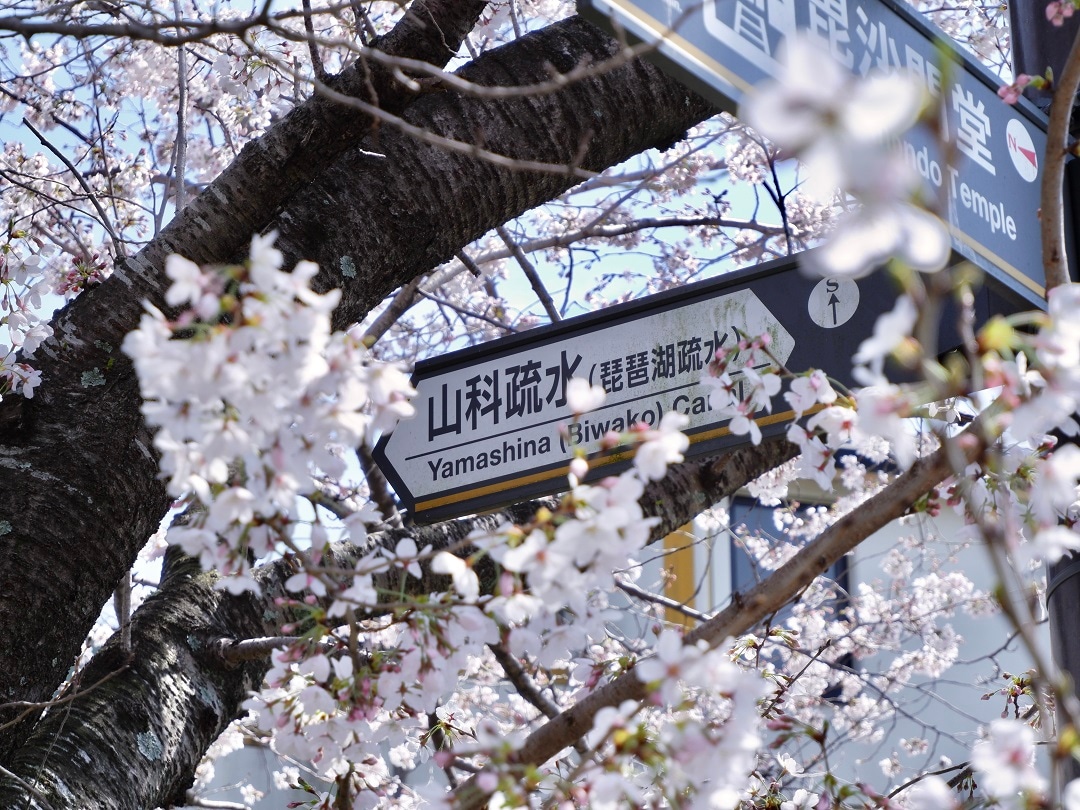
column 483, row 429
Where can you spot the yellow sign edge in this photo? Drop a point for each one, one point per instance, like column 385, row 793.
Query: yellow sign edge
column 979, row 247
column 665, row 33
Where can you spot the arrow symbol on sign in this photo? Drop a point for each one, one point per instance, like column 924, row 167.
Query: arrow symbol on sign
column 833, row 301
column 1029, row 154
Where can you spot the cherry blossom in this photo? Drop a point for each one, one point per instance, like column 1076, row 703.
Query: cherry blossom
column 255, row 401
column 662, row 447
column 1005, row 762
column 465, row 580
column 581, row 397
column 1011, row 93
column 809, row 390
column 672, row 661
column 818, row 109
column 257, row 414
column 801, row 800
column 930, row 793
column 890, row 331
column 880, row 230
column 740, row 393
column 1071, row 795
column 1057, row 11
column 838, row 124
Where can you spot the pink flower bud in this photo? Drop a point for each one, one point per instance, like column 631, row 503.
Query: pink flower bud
column 611, row 439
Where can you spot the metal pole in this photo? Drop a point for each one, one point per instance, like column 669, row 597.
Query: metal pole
column 1063, row 606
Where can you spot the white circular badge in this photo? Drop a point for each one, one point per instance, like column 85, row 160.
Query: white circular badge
column 1022, row 150
column 833, row 301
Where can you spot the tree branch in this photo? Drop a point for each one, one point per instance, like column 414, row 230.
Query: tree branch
column 637, row 592
column 118, row 246
column 1051, row 211
column 368, row 244
column 749, row 608
column 530, row 273
column 79, row 467
column 185, row 636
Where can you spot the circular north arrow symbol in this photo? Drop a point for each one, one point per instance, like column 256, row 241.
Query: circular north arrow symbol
column 1022, row 150
column 833, row 301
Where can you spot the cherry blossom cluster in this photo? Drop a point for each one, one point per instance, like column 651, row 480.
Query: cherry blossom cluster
column 1030, row 492
column 838, row 124
column 359, row 720
column 1004, row 762
column 329, row 706
column 1057, row 11
column 82, row 273
column 252, row 395
column 567, row 555
column 705, row 758
column 740, row 393
column 23, row 329
column 694, row 741
column 898, row 629
column 1011, row 93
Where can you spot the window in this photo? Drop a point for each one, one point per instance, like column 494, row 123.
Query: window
column 746, row 572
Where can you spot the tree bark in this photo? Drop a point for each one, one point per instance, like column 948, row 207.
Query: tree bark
column 374, row 225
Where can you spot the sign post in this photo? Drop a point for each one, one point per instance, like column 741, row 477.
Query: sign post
column 492, row 426
column 985, row 180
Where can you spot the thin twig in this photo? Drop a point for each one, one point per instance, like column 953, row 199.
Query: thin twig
column 354, row 641
column 27, row 787
column 313, row 47
column 963, row 766
column 180, row 168
column 451, row 144
column 236, row 651
column 470, row 265
column 434, row 77
column 118, row 247
column 329, row 502
column 122, row 606
column 214, row 804
column 404, row 299
column 365, row 29
column 648, row 596
column 516, row 674
column 380, row 489
column 530, row 274
column 29, row 707
column 761, row 600
column 466, row 313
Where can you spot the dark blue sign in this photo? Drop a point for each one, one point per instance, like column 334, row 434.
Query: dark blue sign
column 985, row 181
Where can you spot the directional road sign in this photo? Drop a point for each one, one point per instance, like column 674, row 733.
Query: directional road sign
column 990, row 191
column 492, row 426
